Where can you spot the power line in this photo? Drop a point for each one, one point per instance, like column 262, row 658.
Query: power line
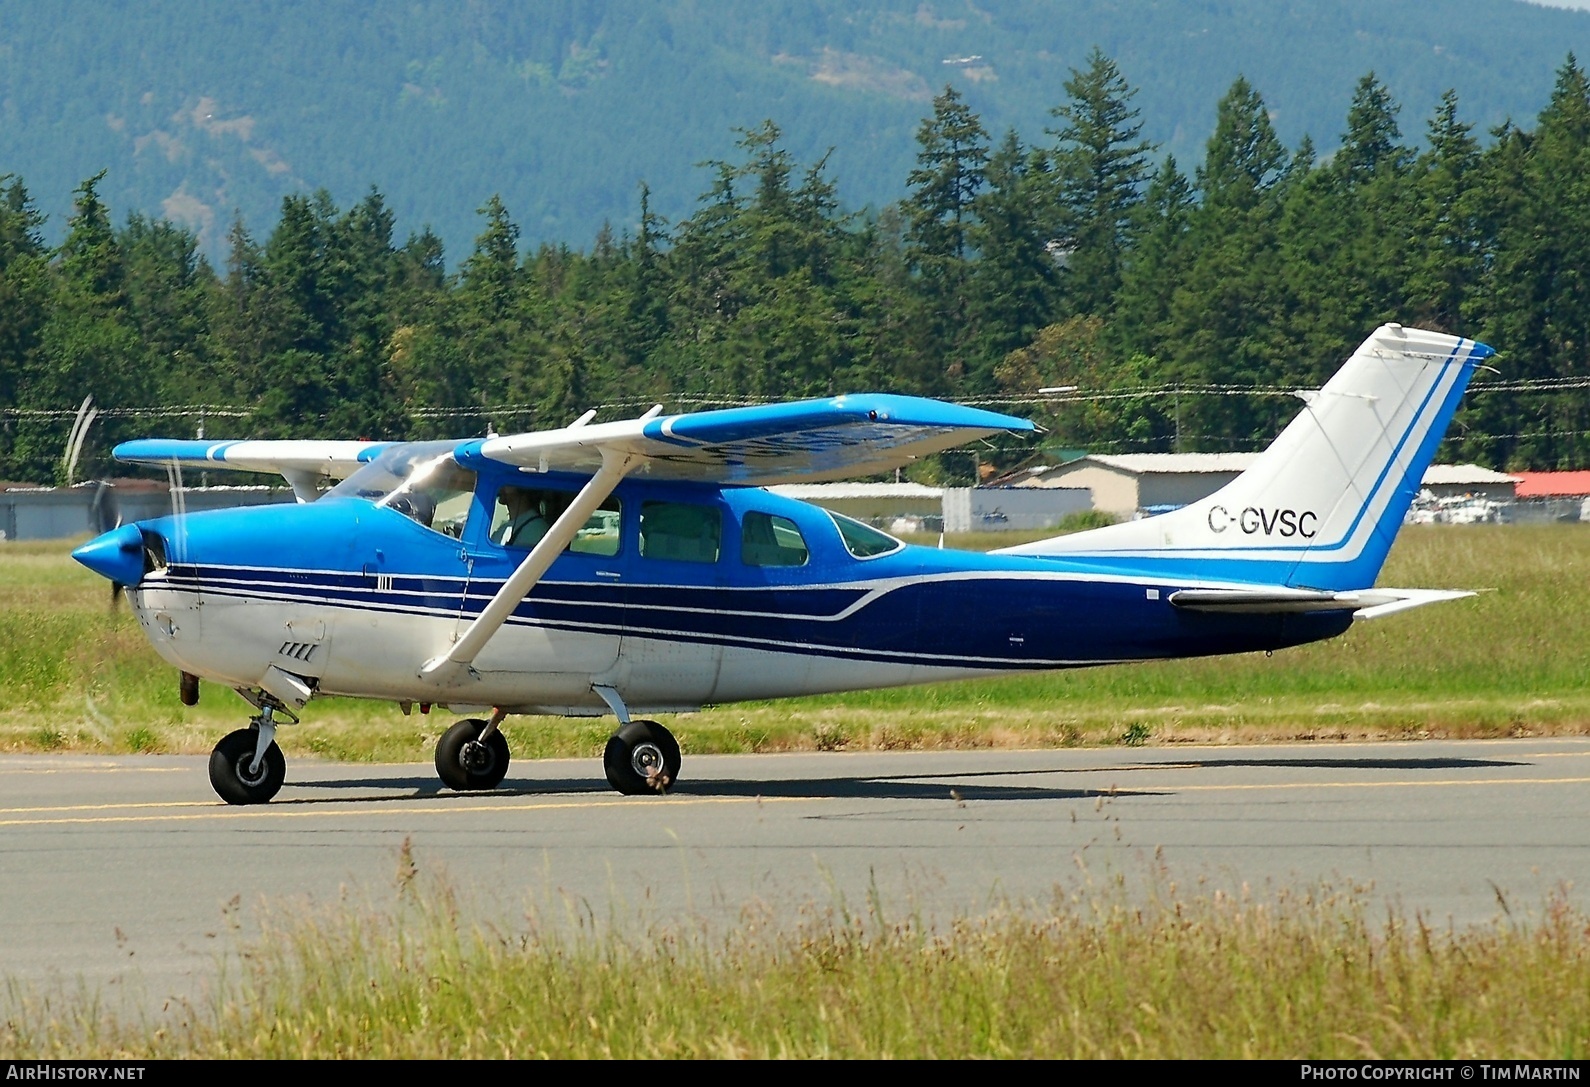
column 194, row 410
column 1079, row 396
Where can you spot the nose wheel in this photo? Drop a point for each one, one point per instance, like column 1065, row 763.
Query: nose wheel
column 641, row 757
column 472, row 756
column 242, row 773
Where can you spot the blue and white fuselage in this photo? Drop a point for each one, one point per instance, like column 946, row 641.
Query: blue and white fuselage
column 355, row 597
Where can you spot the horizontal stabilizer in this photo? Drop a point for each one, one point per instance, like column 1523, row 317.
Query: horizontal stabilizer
column 1363, row 603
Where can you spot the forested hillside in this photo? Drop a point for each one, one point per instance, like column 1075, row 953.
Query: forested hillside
column 1078, row 254
column 199, row 111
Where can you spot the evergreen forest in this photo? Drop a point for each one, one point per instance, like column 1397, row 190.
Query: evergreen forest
column 1184, row 301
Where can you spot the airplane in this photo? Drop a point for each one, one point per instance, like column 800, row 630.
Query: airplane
column 638, row 567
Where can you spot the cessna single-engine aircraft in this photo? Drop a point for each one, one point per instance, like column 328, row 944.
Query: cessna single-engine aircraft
column 637, row 567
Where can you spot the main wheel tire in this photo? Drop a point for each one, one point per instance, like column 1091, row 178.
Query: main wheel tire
column 467, row 763
column 229, row 769
column 641, row 757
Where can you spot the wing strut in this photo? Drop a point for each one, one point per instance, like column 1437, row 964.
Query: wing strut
column 614, row 466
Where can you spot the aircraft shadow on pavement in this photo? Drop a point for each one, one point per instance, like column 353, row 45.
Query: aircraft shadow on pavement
column 941, row 785
column 890, row 787
column 426, row 788
column 1361, row 764
column 895, row 788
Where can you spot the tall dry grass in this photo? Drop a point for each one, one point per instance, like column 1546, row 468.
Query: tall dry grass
column 1302, row 975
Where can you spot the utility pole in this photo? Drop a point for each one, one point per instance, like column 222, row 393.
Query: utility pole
column 1177, row 401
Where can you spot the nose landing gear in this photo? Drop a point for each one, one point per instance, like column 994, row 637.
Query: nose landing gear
column 247, row 767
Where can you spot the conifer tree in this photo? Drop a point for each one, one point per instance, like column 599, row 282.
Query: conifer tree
column 1535, row 302
column 952, row 158
column 1225, row 322
column 87, row 344
column 1100, row 169
column 1372, row 144
column 25, row 301
column 1446, row 258
column 1014, row 281
column 1156, row 265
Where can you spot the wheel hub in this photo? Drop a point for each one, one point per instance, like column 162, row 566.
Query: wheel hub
column 245, row 775
column 475, row 757
column 646, row 759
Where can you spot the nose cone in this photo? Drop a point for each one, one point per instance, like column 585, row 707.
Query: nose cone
column 118, row 555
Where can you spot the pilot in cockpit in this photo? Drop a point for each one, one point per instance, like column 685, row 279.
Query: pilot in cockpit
column 528, row 517
column 417, row 506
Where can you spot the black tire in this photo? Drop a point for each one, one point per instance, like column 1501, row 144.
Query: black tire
column 641, row 757
column 467, row 764
column 229, row 764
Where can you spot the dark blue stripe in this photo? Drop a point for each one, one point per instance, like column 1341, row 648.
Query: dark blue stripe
column 990, row 623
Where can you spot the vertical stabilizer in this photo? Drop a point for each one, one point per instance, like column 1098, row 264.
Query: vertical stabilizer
column 1320, row 507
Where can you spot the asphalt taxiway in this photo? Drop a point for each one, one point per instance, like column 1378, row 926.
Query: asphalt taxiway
column 128, row 872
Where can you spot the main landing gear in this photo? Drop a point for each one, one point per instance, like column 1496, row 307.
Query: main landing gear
column 641, row 757
column 247, row 767
column 472, row 755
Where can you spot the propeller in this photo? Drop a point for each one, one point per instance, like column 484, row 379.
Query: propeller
column 105, row 509
column 86, row 414
column 105, row 513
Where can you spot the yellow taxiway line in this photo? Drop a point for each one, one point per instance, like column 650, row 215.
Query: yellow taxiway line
column 290, row 810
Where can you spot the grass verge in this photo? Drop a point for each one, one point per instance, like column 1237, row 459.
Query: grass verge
column 1089, row 976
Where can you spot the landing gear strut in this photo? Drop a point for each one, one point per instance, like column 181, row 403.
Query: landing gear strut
column 472, row 755
column 247, row 767
column 641, row 757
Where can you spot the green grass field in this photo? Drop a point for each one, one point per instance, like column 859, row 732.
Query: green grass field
column 1512, row 661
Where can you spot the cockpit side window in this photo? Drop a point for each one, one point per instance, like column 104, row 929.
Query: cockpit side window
column 769, row 540
column 522, row 515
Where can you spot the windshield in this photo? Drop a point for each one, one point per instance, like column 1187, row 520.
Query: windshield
column 863, row 541
column 420, row 480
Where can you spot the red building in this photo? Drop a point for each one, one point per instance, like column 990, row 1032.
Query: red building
column 1554, row 496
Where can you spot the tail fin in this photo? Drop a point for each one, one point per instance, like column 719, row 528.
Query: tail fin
column 1320, row 507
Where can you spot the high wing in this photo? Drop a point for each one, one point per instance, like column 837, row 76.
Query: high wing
column 809, row 441
column 300, row 461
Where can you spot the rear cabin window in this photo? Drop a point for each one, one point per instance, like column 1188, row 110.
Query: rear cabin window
column 522, row 515
column 681, row 532
column 769, row 540
column 864, row 541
